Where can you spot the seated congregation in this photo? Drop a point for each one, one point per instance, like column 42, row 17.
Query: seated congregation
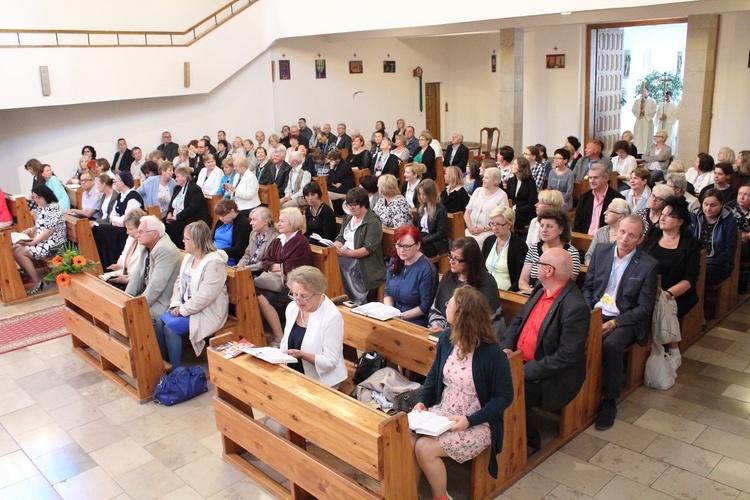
column 479, row 251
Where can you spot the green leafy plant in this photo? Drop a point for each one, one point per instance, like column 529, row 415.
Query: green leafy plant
column 655, row 85
column 68, row 261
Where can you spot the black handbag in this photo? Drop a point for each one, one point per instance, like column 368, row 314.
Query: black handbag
column 406, row 401
column 367, row 364
column 180, row 385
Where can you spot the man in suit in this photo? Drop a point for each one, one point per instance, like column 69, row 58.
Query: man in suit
column 456, row 154
column 123, row 158
column 167, row 147
column 327, row 131
column 199, row 153
column 342, row 141
column 550, row 331
column 278, row 173
column 593, row 203
column 324, row 143
column 621, row 280
column 157, row 268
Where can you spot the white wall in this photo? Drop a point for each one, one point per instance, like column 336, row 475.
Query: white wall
column 384, row 96
column 553, row 98
column 731, row 109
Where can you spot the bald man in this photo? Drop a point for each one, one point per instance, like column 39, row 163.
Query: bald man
column 550, row 331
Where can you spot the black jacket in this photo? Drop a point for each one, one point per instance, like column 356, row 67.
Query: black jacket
column 524, row 202
column 517, row 251
column 240, row 236
column 460, row 159
column 586, row 207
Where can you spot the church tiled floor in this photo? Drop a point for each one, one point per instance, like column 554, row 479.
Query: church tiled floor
column 66, row 432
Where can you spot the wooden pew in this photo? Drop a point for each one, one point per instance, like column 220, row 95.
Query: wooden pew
column 211, row 202
column 327, row 261
column 370, row 441
column 269, row 196
column 321, row 182
column 11, row 284
column 246, row 321
column 439, row 174
column 579, row 187
column 79, row 232
column 613, row 181
column 406, row 345
column 691, row 326
column 19, row 209
column 726, row 291
column 118, row 328
column 359, row 172
column 154, row 210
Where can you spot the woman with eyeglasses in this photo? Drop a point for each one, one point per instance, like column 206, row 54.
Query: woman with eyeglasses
column 651, row 213
column 658, row 155
column 554, row 232
column 560, row 178
column 678, row 253
column 314, row 331
column 616, row 211
column 411, row 280
column 118, row 274
column 47, row 236
column 200, row 304
column 359, row 247
column 466, row 268
column 504, row 252
column 286, row 252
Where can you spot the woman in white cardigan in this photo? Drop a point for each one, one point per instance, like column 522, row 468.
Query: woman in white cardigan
column 200, row 303
column 244, row 187
column 314, row 332
column 119, row 275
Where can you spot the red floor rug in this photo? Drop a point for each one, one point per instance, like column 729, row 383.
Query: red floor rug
column 32, row 328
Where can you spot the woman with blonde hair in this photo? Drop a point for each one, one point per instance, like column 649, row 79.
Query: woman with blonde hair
column 119, row 275
column 658, row 155
column 426, row 155
column 200, row 304
column 401, row 150
column 432, row 220
column 391, row 207
column 484, row 199
column 546, row 198
column 470, row 383
column 454, row 197
column 726, row 155
column 741, row 166
column 504, row 252
column 264, row 231
column 287, row 252
column 413, row 173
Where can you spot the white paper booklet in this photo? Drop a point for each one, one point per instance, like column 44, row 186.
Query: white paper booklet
column 16, row 237
column 377, row 310
column 269, row 354
column 428, row 423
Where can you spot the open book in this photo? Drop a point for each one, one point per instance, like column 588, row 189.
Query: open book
column 269, row 355
column 16, row 237
column 428, row 423
column 377, row 310
column 323, row 242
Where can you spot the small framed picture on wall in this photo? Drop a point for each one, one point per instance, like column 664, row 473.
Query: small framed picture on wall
column 320, row 69
column 284, row 72
column 355, row 67
column 389, row 66
column 555, row 61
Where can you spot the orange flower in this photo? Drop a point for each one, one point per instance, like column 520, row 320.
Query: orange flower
column 79, row 260
column 62, row 280
column 57, row 261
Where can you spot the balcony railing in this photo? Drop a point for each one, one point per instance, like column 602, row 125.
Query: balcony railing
column 91, row 38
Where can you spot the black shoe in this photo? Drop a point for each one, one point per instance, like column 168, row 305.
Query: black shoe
column 532, row 450
column 606, row 418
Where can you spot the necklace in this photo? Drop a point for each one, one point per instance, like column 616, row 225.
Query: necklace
column 302, row 314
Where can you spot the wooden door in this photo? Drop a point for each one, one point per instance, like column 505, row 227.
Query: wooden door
column 432, row 109
column 608, row 67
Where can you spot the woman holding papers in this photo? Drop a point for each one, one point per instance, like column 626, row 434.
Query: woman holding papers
column 471, row 384
column 200, row 303
column 314, row 332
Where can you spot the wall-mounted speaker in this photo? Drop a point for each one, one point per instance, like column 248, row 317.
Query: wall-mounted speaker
column 186, row 71
column 44, row 75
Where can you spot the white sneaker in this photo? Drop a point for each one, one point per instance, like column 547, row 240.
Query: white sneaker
column 675, row 358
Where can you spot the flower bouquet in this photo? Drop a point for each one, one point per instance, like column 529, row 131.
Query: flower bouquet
column 68, row 261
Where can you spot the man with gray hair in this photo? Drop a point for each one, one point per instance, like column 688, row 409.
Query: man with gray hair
column 456, row 154
column 298, row 179
column 158, row 265
column 678, row 183
column 593, row 203
column 342, row 140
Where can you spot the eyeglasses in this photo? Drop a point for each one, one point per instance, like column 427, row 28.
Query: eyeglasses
column 404, row 247
column 302, row 299
column 540, row 263
column 497, row 224
column 656, row 198
column 456, row 259
column 87, row 180
column 141, row 231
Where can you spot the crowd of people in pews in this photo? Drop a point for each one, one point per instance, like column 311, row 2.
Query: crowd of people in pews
column 647, row 216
